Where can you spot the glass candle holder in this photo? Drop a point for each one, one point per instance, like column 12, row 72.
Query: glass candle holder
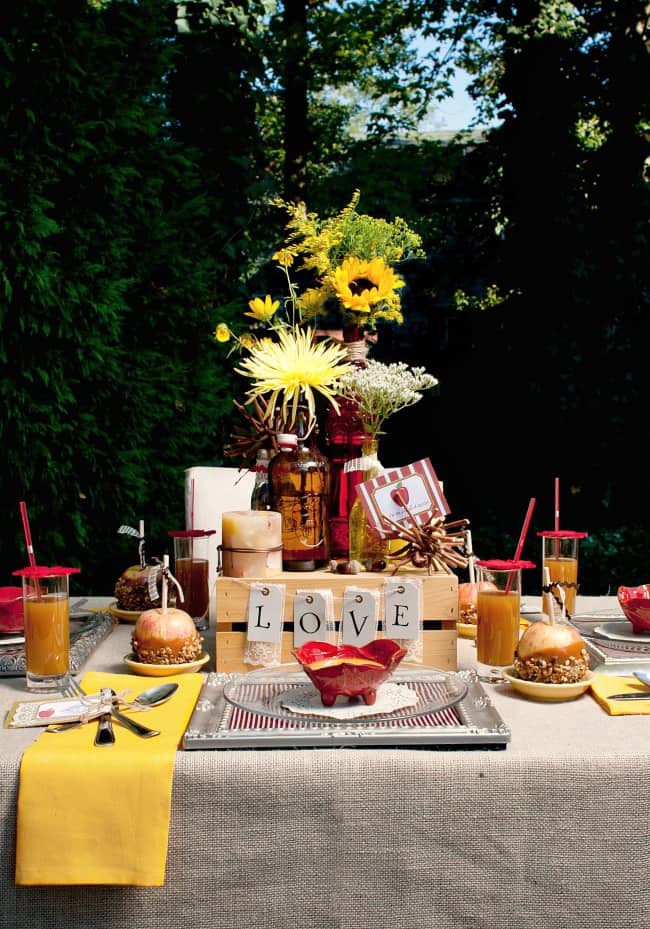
column 251, row 543
column 46, row 617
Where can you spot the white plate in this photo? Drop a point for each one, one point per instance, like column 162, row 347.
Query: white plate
column 621, row 632
column 164, row 670
column 547, row 693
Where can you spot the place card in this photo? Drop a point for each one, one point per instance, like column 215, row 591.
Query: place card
column 55, row 710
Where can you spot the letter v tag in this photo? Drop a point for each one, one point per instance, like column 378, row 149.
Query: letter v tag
column 359, row 616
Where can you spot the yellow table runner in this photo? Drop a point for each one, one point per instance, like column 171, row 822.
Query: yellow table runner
column 100, row 815
column 605, row 684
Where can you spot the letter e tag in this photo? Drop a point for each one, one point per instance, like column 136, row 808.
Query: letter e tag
column 359, row 616
column 312, row 616
column 265, row 612
column 402, row 608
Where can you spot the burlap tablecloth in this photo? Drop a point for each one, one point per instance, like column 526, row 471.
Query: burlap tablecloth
column 548, row 832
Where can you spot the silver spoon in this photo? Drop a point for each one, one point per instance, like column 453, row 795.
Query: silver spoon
column 152, row 697
column 643, row 676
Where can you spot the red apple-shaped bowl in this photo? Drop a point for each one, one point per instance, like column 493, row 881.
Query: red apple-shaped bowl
column 635, row 603
column 348, row 670
column 11, row 609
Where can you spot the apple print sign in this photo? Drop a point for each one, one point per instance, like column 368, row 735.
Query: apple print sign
column 411, row 492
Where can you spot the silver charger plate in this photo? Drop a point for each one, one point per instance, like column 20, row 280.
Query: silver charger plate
column 262, row 692
column 470, row 721
column 621, row 631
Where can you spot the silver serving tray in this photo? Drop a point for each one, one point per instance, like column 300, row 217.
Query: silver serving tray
column 471, row 722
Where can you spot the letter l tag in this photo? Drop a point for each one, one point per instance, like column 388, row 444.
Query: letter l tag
column 265, row 612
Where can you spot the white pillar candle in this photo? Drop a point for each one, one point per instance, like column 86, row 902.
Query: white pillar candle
column 251, row 543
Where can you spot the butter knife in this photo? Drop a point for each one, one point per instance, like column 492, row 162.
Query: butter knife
column 630, row 696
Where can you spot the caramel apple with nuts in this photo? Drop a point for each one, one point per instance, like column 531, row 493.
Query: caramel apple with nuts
column 551, row 653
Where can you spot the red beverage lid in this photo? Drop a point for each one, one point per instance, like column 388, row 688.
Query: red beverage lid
column 497, row 564
column 43, row 571
column 190, row 533
column 562, row 534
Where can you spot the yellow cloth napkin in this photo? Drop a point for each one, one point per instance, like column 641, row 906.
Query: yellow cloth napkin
column 100, row 815
column 605, row 684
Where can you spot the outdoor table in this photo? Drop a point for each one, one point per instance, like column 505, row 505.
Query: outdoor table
column 551, row 830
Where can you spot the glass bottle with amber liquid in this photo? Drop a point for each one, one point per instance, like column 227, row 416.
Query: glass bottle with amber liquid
column 299, row 484
column 366, row 546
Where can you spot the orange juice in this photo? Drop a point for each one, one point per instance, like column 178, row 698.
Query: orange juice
column 497, row 630
column 563, row 571
column 47, row 635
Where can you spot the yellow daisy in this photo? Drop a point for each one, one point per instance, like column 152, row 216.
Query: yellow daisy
column 222, row 333
column 283, row 258
column 292, row 367
column 360, row 285
column 263, row 310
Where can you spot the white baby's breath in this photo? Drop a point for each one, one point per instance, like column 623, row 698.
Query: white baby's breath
column 383, row 389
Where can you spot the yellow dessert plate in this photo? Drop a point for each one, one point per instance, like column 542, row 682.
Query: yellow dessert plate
column 468, row 630
column 164, row 670
column 547, row 693
column 128, row 616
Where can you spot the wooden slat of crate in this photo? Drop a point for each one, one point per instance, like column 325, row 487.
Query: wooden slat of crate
column 440, row 612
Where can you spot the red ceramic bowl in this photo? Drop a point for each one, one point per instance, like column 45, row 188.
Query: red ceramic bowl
column 635, row 603
column 11, row 609
column 348, row 671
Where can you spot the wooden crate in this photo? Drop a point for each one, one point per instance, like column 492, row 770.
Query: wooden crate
column 439, row 598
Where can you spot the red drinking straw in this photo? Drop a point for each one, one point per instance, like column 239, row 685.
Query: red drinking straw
column 556, row 524
column 28, row 535
column 28, row 543
column 522, row 538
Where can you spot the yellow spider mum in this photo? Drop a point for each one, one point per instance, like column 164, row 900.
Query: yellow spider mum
column 222, row 333
column 295, row 367
column 361, row 285
column 263, row 310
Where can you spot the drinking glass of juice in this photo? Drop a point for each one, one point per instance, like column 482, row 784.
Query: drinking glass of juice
column 560, row 556
column 46, row 618
column 498, row 615
column 191, row 570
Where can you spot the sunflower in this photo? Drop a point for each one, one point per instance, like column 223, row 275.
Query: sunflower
column 263, row 310
column 362, row 285
column 294, row 367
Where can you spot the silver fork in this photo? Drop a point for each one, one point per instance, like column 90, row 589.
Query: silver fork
column 105, row 734
column 70, row 688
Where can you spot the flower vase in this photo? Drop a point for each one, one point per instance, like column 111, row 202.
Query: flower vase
column 365, row 546
column 344, row 437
